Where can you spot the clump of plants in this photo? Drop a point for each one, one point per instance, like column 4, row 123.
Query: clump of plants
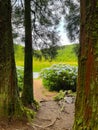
column 59, row 77
column 60, row 95
column 20, row 75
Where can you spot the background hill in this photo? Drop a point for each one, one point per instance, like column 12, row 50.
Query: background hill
column 65, row 54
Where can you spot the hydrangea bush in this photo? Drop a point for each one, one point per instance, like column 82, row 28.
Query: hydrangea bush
column 59, row 77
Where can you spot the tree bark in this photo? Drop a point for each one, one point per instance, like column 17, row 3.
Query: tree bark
column 86, row 112
column 27, row 96
column 9, row 101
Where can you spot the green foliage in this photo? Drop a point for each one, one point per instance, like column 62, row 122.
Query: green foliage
column 19, row 52
column 60, row 95
column 20, row 75
column 19, row 55
column 73, row 19
column 76, row 49
column 30, row 114
column 49, row 53
column 59, row 77
column 65, row 54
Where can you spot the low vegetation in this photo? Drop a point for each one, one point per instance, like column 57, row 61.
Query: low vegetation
column 60, row 95
column 59, row 77
column 19, row 54
column 65, row 54
column 59, row 73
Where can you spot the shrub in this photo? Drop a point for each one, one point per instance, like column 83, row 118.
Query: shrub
column 20, row 76
column 59, row 77
column 60, row 95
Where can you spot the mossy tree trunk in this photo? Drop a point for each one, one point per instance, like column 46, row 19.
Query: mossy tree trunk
column 9, row 102
column 86, row 112
column 27, row 96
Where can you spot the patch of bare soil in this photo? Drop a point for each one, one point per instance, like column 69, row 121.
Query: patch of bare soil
column 52, row 115
column 15, row 125
column 40, row 93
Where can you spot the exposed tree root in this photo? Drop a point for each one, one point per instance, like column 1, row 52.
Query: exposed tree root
column 44, row 127
column 44, row 119
column 52, row 123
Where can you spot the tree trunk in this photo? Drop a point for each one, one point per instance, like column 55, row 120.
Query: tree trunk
column 9, row 102
column 27, row 96
column 86, row 112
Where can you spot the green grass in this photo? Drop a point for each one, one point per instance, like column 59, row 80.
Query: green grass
column 38, row 65
column 19, row 55
column 65, row 55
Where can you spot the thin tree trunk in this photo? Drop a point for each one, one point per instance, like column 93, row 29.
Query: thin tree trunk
column 86, row 113
column 27, row 96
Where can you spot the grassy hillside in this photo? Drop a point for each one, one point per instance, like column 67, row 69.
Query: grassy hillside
column 19, row 55
column 65, row 54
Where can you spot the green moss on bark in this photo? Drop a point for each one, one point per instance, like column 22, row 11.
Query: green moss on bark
column 86, row 115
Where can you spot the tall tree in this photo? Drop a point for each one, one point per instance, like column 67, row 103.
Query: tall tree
column 27, row 96
column 86, row 115
column 42, row 20
column 9, row 101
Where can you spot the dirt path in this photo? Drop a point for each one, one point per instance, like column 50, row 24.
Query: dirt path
column 51, row 115
column 40, row 93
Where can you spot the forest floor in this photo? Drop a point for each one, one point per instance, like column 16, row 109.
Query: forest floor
column 52, row 115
